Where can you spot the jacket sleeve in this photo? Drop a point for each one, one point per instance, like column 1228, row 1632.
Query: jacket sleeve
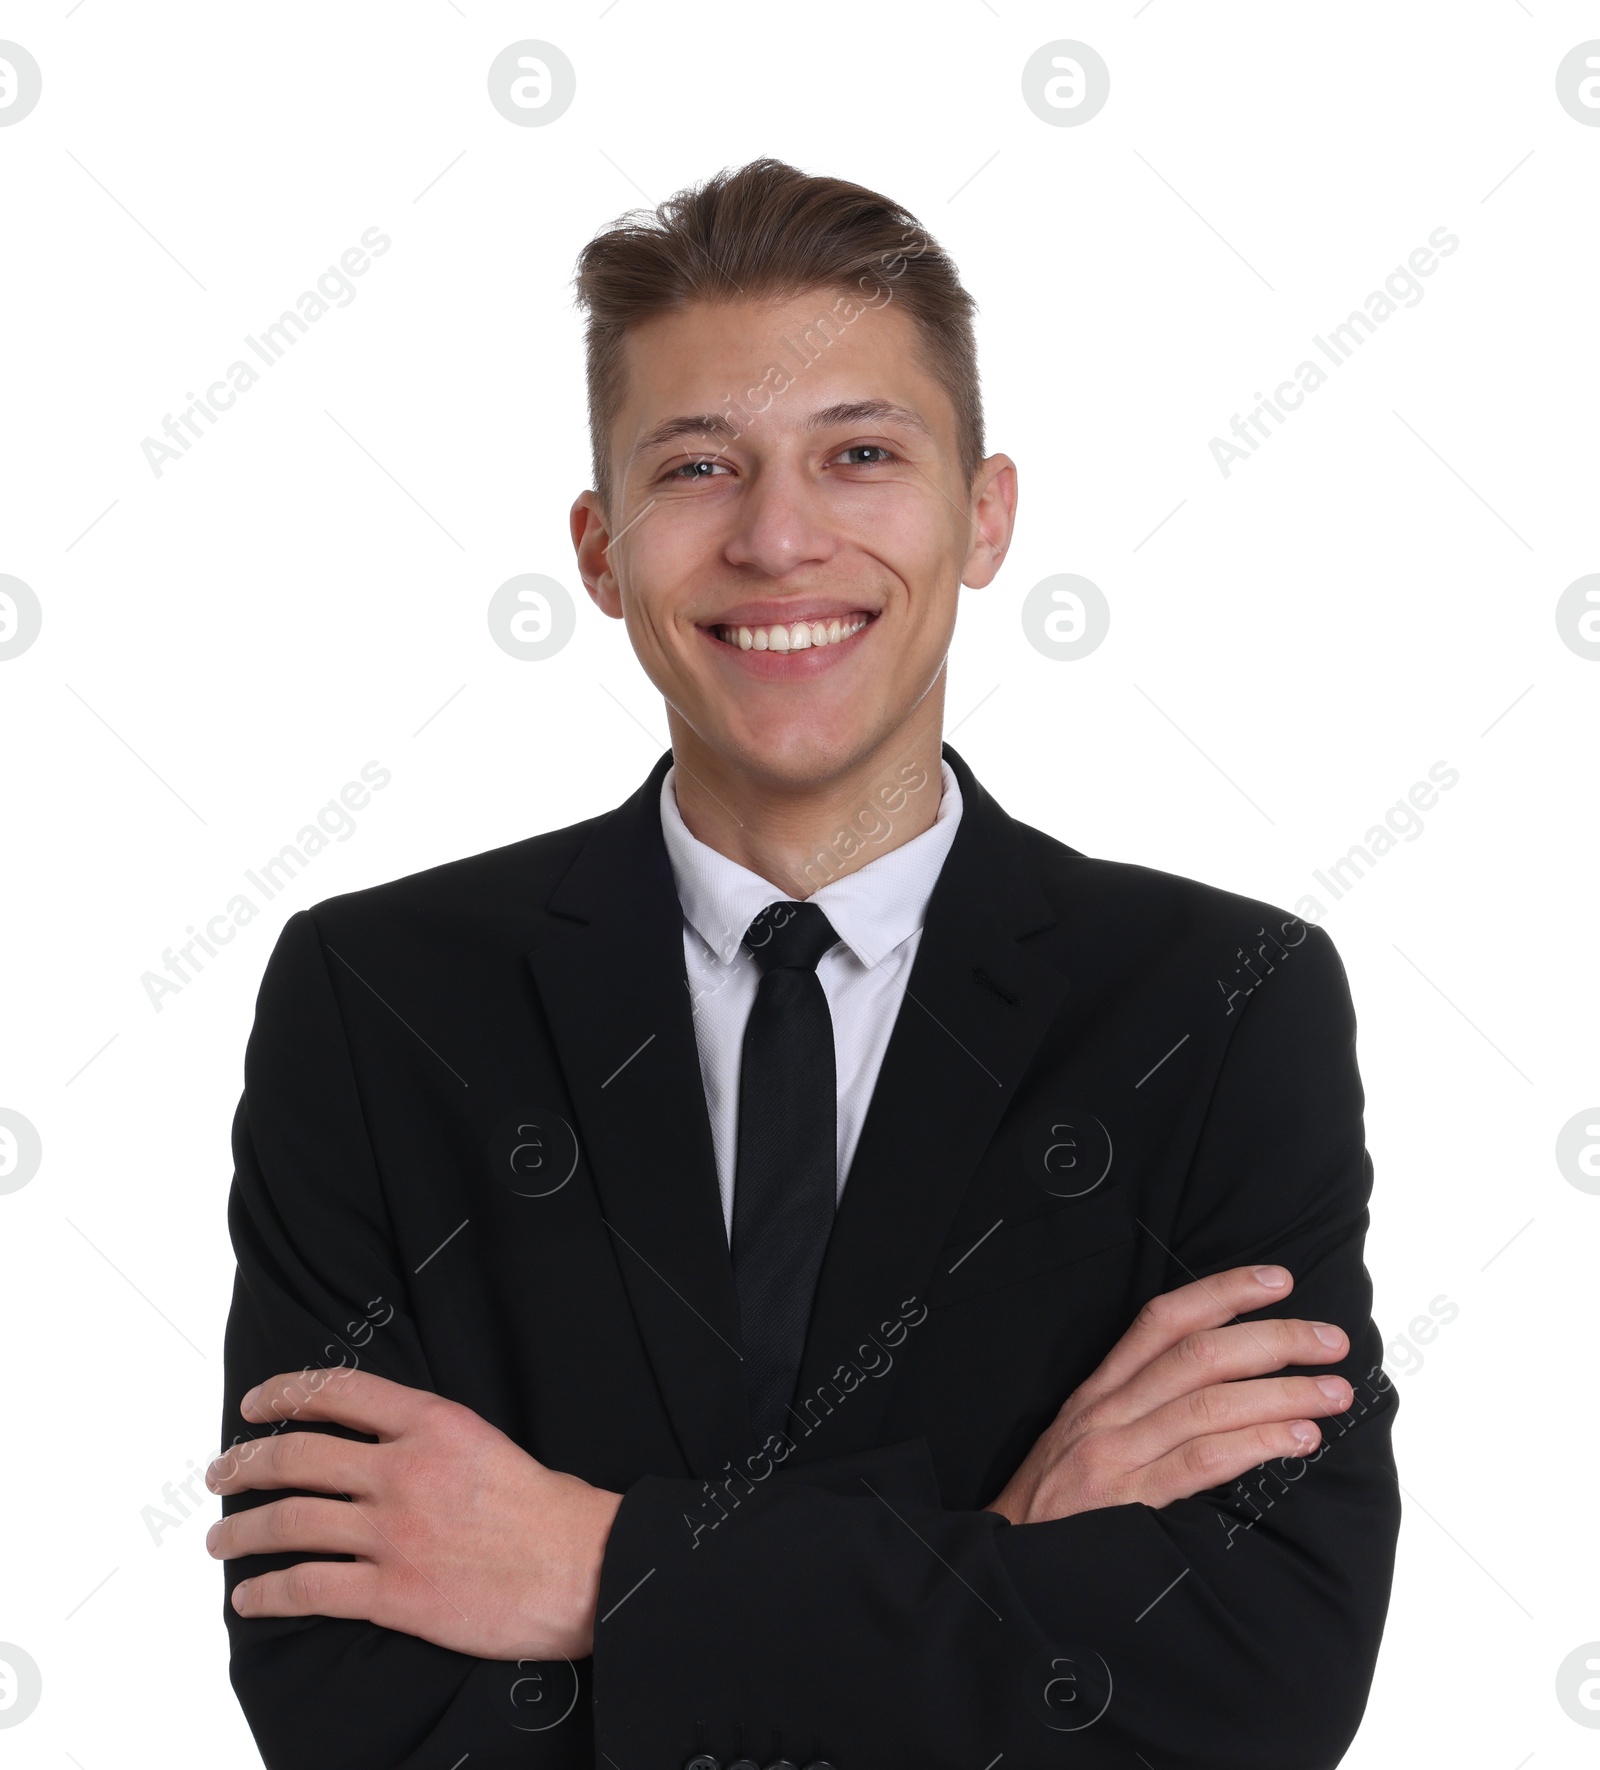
column 319, row 1284
column 847, row 1613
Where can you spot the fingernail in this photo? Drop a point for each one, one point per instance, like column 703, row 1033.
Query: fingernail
column 211, row 1536
column 1271, row 1278
column 211, row 1476
column 249, row 1399
column 1333, row 1387
column 1327, row 1333
column 1305, row 1434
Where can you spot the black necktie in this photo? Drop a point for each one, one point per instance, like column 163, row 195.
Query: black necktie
column 786, row 1182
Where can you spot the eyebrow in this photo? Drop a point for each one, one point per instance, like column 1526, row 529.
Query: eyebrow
column 717, row 424
column 863, row 410
column 690, row 424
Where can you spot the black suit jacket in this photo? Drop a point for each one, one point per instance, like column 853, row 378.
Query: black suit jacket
column 473, row 1155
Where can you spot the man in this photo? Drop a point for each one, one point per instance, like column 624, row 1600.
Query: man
column 796, row 1270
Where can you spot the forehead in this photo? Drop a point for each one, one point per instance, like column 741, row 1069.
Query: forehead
column 828, row 347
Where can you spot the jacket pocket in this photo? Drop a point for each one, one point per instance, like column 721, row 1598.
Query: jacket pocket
column 1016, row 1250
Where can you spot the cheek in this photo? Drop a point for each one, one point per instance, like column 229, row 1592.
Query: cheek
column 932, row 580
column 920, row 546
column 657, row 592
column 648, row 623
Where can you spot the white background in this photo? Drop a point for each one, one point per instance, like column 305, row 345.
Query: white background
column 1290, row 649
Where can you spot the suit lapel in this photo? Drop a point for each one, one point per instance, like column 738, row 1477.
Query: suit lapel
column 976, row 1007
column 615, row 993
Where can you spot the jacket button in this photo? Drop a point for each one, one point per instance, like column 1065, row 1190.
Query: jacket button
column 819, row 1764
column 744, row 1764
column 783, row 1764
column 703, row 1762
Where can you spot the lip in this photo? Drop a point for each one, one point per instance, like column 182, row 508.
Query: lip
column 784, row 612
column 787, row 666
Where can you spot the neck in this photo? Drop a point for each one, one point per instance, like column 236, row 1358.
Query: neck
column 802, row 838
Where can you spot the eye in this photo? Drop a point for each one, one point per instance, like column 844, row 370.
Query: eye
column 686, row 471
column 865, row 455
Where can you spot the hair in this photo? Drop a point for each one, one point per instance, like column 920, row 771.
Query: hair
column 766, row 230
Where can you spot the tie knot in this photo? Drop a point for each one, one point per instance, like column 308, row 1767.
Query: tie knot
column 790, row 937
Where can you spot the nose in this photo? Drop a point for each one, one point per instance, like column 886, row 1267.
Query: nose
column 780, row 524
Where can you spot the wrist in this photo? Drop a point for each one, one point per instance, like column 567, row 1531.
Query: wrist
column 600, row 1511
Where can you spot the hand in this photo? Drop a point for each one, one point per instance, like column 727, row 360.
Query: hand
column 1168, row 1413
column 463, row 1538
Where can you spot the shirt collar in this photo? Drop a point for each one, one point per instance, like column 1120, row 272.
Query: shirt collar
column 872, row 909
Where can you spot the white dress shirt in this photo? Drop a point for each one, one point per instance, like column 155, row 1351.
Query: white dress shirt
column 877, row 912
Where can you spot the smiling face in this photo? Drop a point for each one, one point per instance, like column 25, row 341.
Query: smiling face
column 790, row 536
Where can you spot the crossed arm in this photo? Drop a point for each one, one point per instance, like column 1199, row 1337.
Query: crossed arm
column 1242, row 1624
column 465, row 1540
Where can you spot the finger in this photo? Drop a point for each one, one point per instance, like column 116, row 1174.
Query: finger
column 1169, row 1317
column 329, row 1527
column 1224, row 1355
column 356, row 1398
column 1214, row 1461
column 1230, row 1407
column 313, row 1588
column 315, row 1460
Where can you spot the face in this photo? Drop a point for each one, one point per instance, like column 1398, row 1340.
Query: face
column 787, row 538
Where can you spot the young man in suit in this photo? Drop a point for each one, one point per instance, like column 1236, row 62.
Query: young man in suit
column 797, row 1269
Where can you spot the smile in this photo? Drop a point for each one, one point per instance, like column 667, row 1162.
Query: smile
column 793, row 635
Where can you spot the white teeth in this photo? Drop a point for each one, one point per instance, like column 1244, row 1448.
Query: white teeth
column 798, row 636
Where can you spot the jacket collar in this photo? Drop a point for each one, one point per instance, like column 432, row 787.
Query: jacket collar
column 615, row 992
column 873, row 910
column 977, row 1005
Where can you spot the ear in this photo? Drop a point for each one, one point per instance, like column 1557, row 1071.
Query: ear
column 994, row 515
column 591, row 541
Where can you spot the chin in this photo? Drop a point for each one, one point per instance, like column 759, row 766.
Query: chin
column 801, row 757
